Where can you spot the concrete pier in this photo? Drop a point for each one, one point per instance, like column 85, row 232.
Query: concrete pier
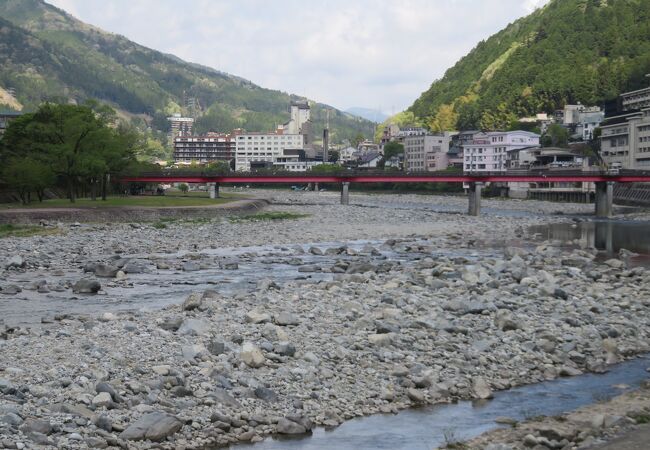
column 213, row 189
column 474, row 193
column 345, row 193
column 604, row 198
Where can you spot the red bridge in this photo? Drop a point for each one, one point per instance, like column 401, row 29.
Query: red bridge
column 604, row 181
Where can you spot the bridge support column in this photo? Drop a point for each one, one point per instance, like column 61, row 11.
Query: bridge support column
column 604, row 198
column 345, row 193
column 316, row 188
column 213, row 189
column 475, row 198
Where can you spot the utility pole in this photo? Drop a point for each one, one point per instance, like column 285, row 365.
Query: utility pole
column 326, row 139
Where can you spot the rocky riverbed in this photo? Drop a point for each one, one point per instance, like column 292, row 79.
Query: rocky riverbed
column 435, row 307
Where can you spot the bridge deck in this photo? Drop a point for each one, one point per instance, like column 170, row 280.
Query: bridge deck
column 432, row 177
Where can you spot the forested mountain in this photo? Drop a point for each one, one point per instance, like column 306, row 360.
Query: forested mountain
column 47, row 54
column 569, row 51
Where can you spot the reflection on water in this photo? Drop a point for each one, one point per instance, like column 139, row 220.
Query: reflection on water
column 425, row 428
column 609, row 236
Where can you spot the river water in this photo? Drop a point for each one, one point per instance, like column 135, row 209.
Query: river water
column 429, row 427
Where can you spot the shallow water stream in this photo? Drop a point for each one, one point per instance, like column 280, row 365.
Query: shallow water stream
column 429, row 427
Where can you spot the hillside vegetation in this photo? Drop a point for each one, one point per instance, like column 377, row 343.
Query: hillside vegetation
column 570, row 51
column 49, row 55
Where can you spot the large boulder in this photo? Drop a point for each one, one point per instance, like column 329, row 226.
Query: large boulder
column 193, row 301
column 194, row 327
column 154, row 426
column 86, row 286
column 481, row 388
column 251, row 355
column 286, row 426
column 16, row 261
column 105, row 271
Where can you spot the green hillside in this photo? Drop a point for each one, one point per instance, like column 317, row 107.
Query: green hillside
column 570, row 51
column 48, row 55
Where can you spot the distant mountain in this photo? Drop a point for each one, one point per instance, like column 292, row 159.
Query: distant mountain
column 570, row 51
column 47, row 54
column 373, row 115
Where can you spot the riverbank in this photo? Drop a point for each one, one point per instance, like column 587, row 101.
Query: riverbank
column 198, row 208
column 620, row 423
column 423, row 307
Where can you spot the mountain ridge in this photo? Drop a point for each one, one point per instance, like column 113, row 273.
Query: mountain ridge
column 51, row 55
column 568, row 51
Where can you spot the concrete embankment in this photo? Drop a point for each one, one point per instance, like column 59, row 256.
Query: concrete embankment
column 128, row 213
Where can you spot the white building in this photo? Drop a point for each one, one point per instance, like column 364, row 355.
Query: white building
column 300, row 115
column 426, row 152
column 180, row 126
column 346, row 155
column 625, row 140
column 264, row 147
column 487, row 152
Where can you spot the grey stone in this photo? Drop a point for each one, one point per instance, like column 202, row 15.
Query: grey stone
column 31, row 425
column 481, row 388
column 284, row 349
column 251, row 355
column 86, row 286
column 194, row 327
column 286, row 426
column 193, row 301
column 154, row 426
column 103, row 399
column 285, row 318
column 15, row 262
column 105, row 271
column 266, row 394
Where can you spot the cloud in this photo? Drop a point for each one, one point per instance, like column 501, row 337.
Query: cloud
column 371, row 53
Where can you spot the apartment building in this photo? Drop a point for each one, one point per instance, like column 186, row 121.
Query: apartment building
column 180, row 126
column 426, row 152
column 635, row 100
column 264, row 147
column 487, row 152
column 625, row 140
column 204, row 149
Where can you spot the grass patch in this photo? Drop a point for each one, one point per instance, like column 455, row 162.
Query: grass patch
column 276, row 215
column 153, row 201
column 11, row 230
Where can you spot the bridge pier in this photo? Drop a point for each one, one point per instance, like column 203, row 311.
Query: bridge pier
column 316, row 187
column 604, row 198
column 475, row 198
column 345, row 193
column 213, row 189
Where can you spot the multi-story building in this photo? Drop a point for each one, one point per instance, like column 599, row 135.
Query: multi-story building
column 488, row 151
column 625, row 140
column 635, row 100
column 263, row 147
column 426, row 152
column 180, row 126
column 203, row 149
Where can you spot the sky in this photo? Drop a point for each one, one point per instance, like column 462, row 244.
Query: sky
column 379, row 54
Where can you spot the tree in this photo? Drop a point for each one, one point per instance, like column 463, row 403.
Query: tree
column 358, row 139
column 217, row 168
column 27, row 176
column 556, row 136
column 79, row 144
column 333, row 156
column 393, row 149
column 326, row 169
column 183, row 187
column 444, row 120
